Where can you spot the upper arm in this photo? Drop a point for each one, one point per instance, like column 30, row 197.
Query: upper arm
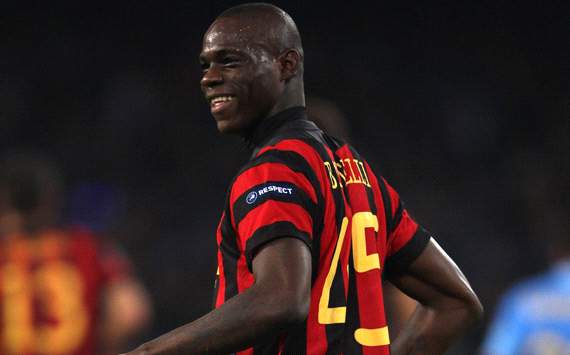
column 125, row 304
column 416, row 264
column 282, row 273
column 434, row 280
column 125, row 312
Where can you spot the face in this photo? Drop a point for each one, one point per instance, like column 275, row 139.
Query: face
column 240, row 79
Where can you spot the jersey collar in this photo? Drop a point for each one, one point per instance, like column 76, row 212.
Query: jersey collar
column 268, row 127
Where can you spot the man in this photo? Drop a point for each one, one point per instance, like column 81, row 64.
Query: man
column 307, row 228
column 62, row 290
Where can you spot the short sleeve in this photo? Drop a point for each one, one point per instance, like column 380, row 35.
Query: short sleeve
column 271, row 198
column 406, row 238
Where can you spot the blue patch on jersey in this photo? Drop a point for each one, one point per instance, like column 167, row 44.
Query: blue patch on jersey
column 251, row 197
column 267, row 189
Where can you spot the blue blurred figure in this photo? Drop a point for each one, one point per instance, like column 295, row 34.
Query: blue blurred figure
column 533, row 317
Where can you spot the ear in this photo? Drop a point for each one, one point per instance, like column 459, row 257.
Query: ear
column 289, row 62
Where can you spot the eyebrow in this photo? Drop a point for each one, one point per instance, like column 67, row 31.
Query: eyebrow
column 220, row 53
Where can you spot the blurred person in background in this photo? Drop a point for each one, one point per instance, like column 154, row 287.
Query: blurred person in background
column 308, row 228
column 533, row 317
column 328, row 117
column 63, row 290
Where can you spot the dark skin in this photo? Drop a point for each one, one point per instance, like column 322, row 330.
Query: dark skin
column 447, row 304
column 279, row 298
column 260, row 79
column 254, row 78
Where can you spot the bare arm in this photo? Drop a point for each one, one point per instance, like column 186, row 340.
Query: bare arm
column 126, row 310
column 279, row 298
column 447, row 304
column 399, row 307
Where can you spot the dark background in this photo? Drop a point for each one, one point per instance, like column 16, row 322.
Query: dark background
column 462, row 105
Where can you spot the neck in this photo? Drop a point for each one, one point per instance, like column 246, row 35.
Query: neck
column 266, row 127
column 292, row 96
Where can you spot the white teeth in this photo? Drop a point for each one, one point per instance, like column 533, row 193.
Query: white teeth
column 217, row 99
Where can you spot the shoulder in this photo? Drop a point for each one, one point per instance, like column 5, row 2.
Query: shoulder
column 300, row 148
column 86, row 240
column 287, row 164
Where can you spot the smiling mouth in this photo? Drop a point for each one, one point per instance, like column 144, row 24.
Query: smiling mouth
column 219, row 103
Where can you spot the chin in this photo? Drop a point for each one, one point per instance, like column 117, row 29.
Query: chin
column 238, row 124
column 223, row 127
column 226, row 127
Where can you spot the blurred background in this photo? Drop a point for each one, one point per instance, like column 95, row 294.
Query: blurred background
column 463, row 106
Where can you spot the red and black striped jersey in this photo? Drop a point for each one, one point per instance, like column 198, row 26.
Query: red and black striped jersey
column 51, row 287
column 301, row 183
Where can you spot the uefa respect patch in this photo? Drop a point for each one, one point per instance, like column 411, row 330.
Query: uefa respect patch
column 267, row 190
column 251, row 197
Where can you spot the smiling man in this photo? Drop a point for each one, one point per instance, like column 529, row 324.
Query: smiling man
column 308, row 230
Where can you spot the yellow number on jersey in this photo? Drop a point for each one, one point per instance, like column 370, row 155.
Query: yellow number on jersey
column 332, row 315
column 58, row 288
column 363, row 262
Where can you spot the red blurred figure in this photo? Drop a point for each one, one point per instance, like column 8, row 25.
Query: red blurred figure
column 62, row 290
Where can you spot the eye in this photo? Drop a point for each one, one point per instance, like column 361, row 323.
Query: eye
column 230, row 61
column 205, row 66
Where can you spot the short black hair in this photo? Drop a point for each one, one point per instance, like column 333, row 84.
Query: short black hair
column 29, row 180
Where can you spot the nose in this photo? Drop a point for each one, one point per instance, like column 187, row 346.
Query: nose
column 212, row 77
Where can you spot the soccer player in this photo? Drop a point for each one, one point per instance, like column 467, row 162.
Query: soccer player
column 62, row 290
column 308, row 230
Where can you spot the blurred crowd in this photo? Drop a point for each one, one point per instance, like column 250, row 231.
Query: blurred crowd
column 463, row 108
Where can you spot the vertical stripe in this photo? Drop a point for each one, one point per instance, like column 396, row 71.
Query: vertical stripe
column 350, row 346
column 230, row 256
column 220, row 282
column 368, row 283
column 369, row 192
column 338, row 290
column 387, row 206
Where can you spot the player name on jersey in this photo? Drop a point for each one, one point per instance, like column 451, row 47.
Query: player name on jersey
column 345, row 172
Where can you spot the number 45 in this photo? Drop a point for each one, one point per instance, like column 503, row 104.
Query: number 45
column 363, row 262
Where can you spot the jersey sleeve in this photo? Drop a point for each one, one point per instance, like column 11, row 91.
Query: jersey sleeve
column 406, row 238
column 271, row 198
